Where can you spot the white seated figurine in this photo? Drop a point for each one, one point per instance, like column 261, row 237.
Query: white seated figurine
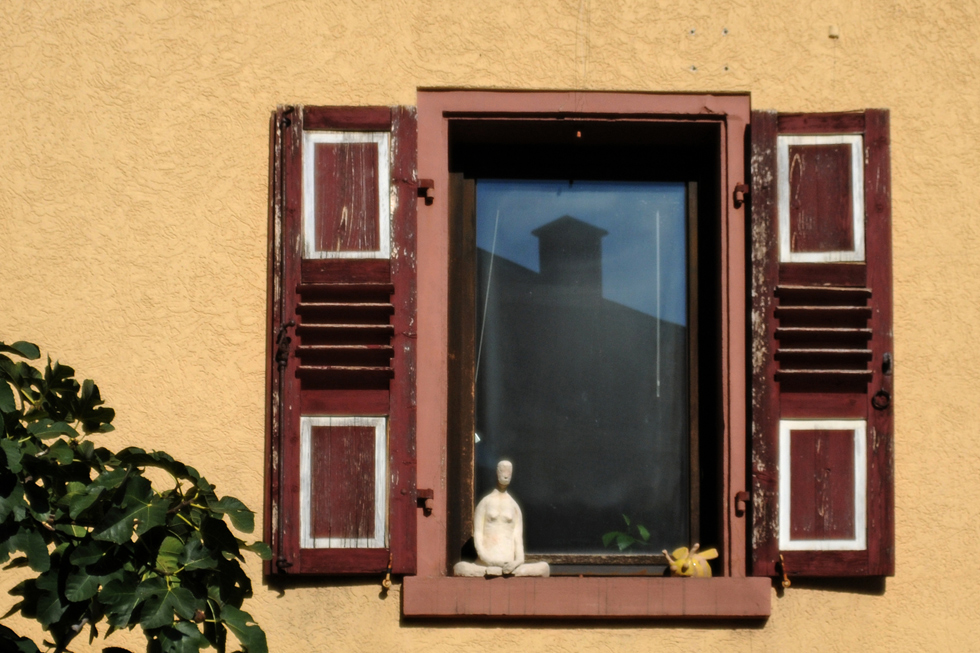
column 498, row 534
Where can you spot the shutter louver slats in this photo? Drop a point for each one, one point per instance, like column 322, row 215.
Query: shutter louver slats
column 821, row 324
column 342, row 463
column 326, row 324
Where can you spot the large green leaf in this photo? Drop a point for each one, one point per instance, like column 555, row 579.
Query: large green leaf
column 94, row 419
column 7, row 404
column 88, row 553
column 30, row 542
column 13, row 453
column 197, row 556
column 141, row 508
column 85, row 450
column 241, row 517
column 117, row 527
column 261, row 549
column 80, row 586
column 74, row 530
column 245, row 629
column 13, row 502
column 217, row 537
column 62, row 452
column 119, row 598
column 182, row 637
column 139, row 458
column 192, row 637
column 79, row 503
column 49, row 428
column 26, row 350
column 167, row 557
column 158, row 610
column 73, row 490
column 37, row 499
column 115, row 564
column 50, row 607
column 233, row 584
column 111, row 479
column 152, row 586
column 59, row 380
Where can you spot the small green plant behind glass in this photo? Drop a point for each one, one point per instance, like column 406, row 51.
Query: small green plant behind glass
column 106, row 544
column 635, row 534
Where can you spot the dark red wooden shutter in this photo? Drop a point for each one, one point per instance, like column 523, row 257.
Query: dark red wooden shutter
column 341, row 472
column 822, row 386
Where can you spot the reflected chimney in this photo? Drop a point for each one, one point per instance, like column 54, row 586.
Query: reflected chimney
column 570, row 254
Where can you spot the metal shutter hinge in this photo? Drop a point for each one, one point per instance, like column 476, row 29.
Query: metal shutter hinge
column 427, row 190
column 741, row 503
column 740, row 195
column 424, row 500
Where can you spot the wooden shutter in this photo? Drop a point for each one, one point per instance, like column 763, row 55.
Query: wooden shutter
column 341, row 490
column 822, row 386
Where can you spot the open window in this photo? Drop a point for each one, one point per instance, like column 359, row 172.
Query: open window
column 596, row 302
column 484, row 149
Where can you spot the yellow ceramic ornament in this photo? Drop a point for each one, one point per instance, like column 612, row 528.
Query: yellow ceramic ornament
column 691, row 563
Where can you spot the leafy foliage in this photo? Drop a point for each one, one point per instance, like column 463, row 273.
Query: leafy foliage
column 105, row 543
column 635, row 534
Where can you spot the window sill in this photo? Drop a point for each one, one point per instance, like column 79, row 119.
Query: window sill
column 607, row 597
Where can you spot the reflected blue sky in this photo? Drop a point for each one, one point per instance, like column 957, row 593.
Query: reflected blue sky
column 627, row 210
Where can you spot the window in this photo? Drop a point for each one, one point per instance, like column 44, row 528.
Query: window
column 583, row 353
column 775, row 363
column 710, row 132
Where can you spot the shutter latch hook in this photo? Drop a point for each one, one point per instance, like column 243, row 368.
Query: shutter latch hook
column 386, row 583
column 282, row 344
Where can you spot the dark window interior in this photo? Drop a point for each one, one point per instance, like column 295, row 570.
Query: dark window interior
column 553, row 369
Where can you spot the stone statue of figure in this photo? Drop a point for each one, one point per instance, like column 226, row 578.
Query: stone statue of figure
column 498, row 533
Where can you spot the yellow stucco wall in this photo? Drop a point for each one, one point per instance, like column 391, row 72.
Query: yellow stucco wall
column 133, row 168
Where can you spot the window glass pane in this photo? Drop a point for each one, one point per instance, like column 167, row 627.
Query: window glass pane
column 582, row 355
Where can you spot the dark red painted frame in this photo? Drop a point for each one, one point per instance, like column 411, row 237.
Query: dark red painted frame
column 433, row 592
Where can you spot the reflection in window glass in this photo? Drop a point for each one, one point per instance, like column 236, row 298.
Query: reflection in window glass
column 582, row 350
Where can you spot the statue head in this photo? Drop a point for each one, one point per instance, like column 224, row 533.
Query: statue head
column 505, row 469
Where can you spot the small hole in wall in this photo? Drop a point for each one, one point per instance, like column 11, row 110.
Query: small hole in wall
column 694, row 69
column 724, row 31
column 691, row 31
column 726, row 69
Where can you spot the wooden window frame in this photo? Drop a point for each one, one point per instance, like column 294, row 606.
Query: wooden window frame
column 433, row 592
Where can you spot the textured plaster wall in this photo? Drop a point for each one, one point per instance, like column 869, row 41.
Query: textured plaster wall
column 133, row 167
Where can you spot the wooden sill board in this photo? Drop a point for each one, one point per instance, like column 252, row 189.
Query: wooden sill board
column 601, row 598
